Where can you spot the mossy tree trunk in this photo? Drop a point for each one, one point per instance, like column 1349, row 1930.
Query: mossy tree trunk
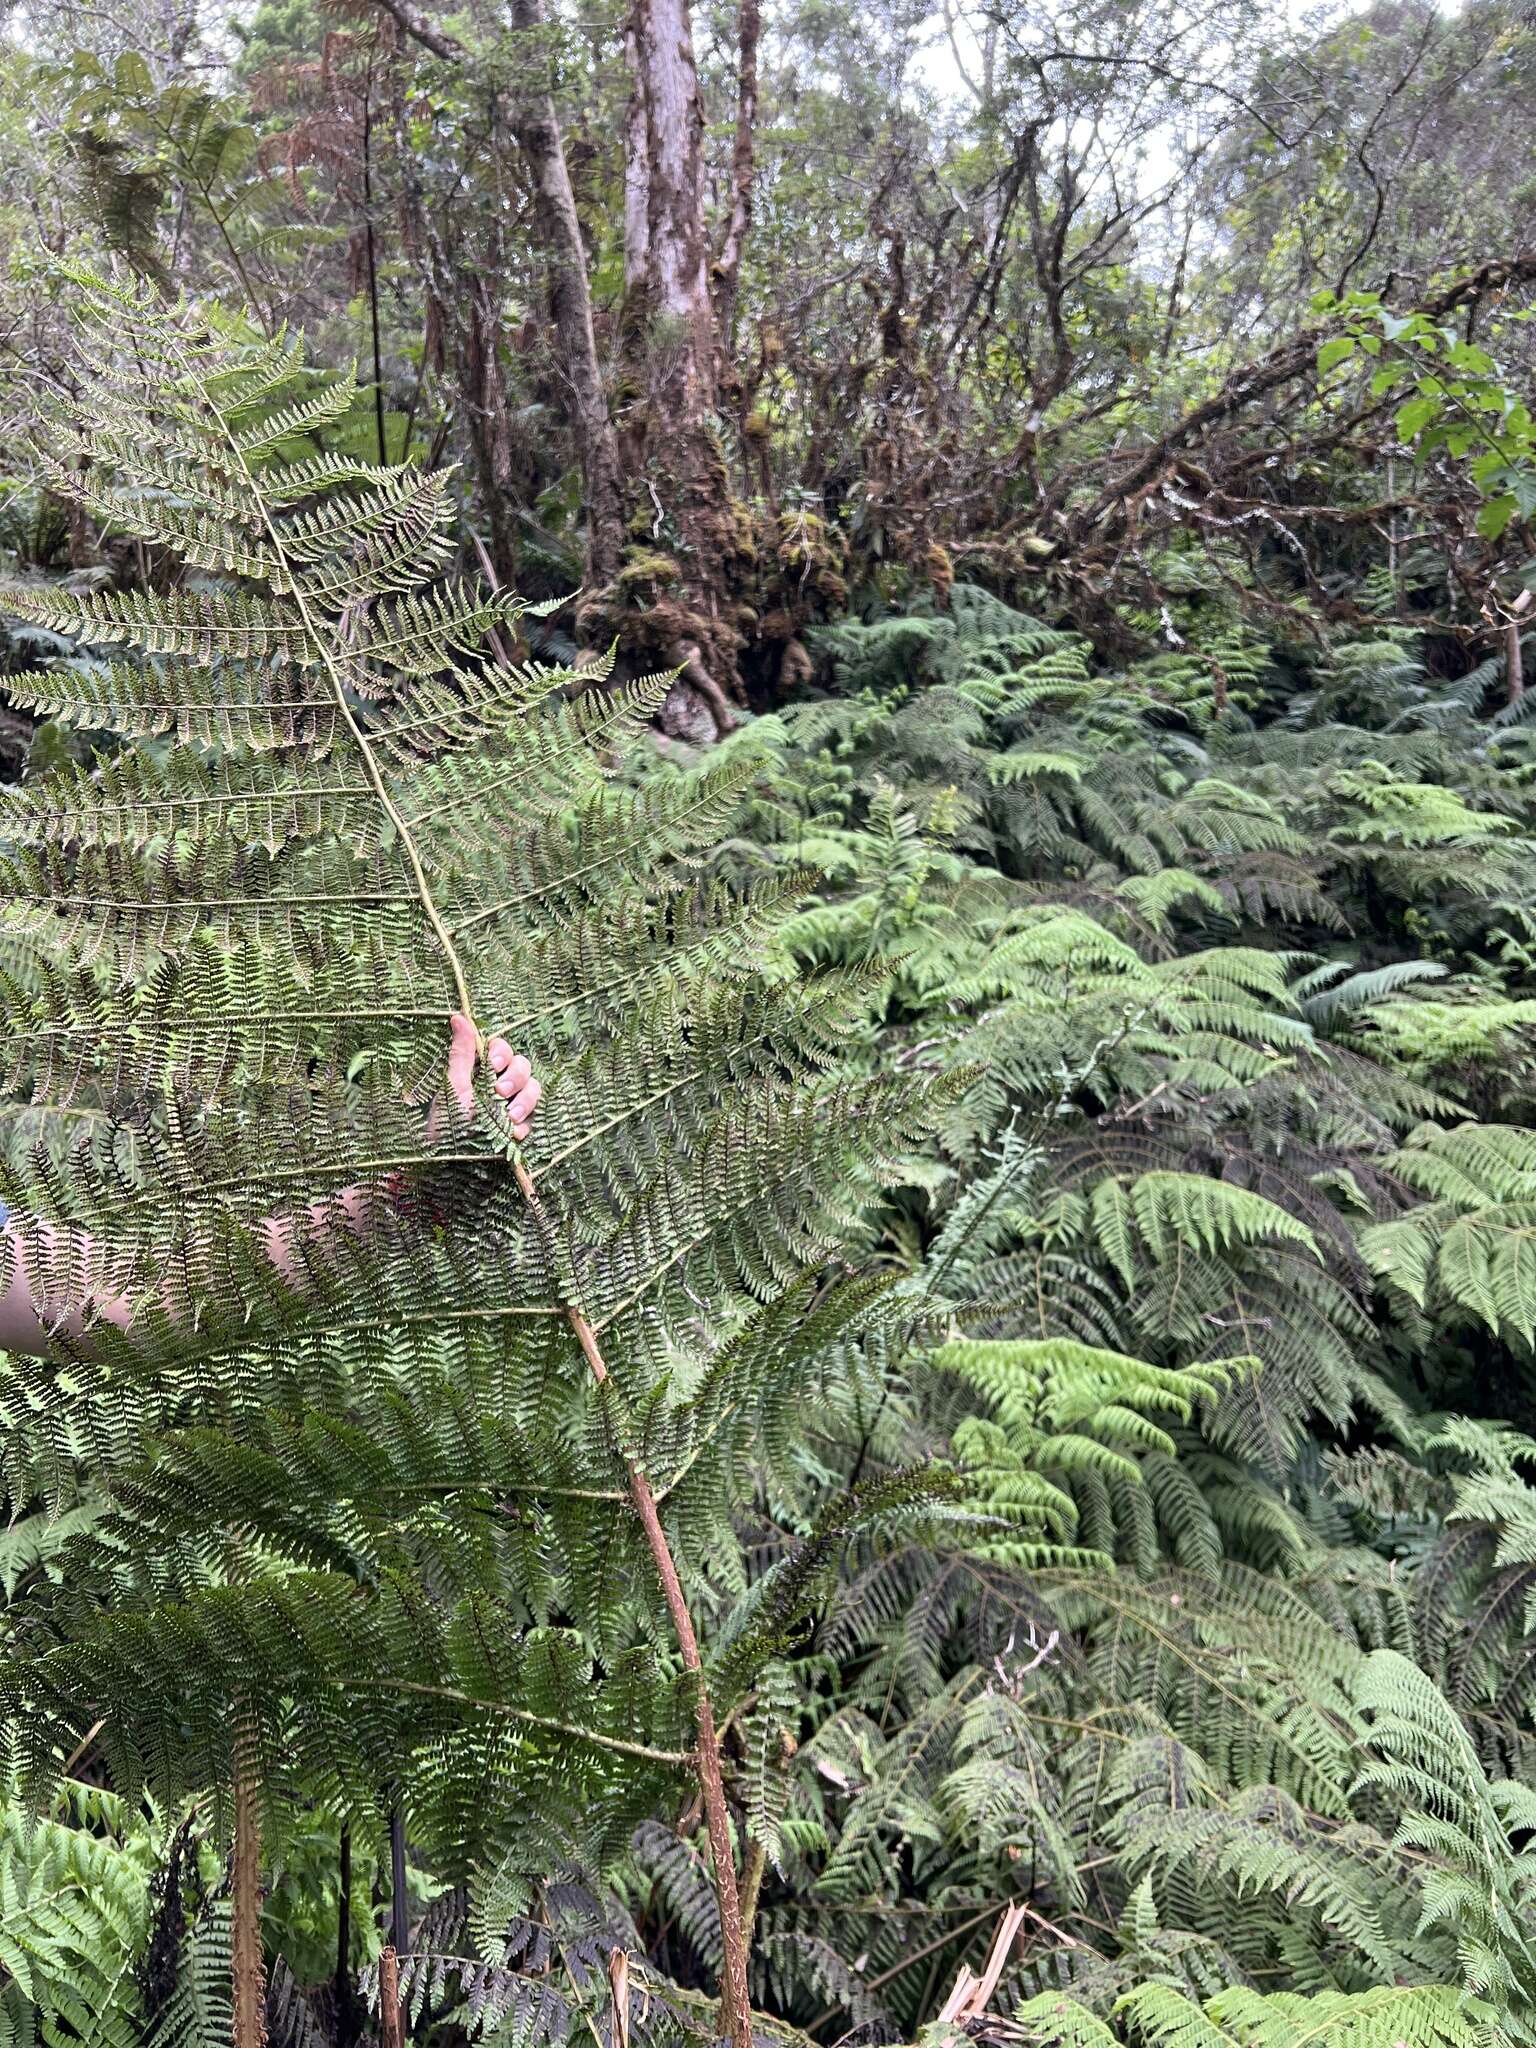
column 673, row 600
column 468, row 309
column 667, row 542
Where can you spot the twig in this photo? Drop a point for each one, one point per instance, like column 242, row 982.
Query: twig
column 968, row 1999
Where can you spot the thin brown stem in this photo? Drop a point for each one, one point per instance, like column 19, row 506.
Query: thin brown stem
column 751, row 1886
column 735, row 1998
column 916, row 1955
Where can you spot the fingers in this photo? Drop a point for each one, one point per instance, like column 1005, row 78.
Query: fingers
column 502, row 1060
column 461, row 1061
column 515, row 1085
column 520, row 1107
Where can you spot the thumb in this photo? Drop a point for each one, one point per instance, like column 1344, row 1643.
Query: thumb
column 463, row 1051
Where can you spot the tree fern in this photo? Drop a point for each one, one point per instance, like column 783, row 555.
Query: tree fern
column 240, row 951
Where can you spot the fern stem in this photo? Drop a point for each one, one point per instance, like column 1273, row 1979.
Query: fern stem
column 735, row 1999
column 751, row 1885
column 675, row 1759
column 905, row 1963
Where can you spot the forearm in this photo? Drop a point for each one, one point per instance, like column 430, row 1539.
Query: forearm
column 53, row 1296
column 57, row 1299
column 58, row 1294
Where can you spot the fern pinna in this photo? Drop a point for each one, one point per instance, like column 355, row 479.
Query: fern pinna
column 401, row 1510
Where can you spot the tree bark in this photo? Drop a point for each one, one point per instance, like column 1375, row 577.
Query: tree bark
column 749, row 28
column 391, row 2020
column 675, row 363
column 247, row 1967
column 538, row 132
column 676, row 271
column 343, row 1998
column 637, row 175
column 536, row 126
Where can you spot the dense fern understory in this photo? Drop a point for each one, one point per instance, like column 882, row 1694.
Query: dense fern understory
column 1045, row 1154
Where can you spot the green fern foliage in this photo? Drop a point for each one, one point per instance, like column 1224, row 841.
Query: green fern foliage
column 337, row 1452
column 1419, row 2015
column 1042, row 1155
column 74, row 1919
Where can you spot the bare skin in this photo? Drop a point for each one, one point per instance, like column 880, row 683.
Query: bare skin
column 25, row 1324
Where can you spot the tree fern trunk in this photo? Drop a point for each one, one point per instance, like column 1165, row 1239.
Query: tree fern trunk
column 248, row 1971
column 346, row 2020
column 391, row 2021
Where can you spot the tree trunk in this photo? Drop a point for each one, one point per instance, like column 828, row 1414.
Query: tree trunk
column 474, row 325
column 637, row 176
column 343, row 1997
column 537, row 126
column 667, row 594
column 247, row 1967
column 391, row 2019
column 749, row 28
column 670, row 325
column 676, row 270
column 1514, row 659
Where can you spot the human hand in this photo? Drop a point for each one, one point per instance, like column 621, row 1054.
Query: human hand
column 514, row 1081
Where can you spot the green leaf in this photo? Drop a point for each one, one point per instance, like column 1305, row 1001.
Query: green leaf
column 1496, row 515
column 132, row 76
column 1415, row 416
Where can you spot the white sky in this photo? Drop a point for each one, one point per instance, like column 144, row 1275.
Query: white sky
column 934, row 60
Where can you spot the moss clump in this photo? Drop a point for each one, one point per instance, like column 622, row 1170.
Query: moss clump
column 647, row 569
column 812, row 556
column 740, row 537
